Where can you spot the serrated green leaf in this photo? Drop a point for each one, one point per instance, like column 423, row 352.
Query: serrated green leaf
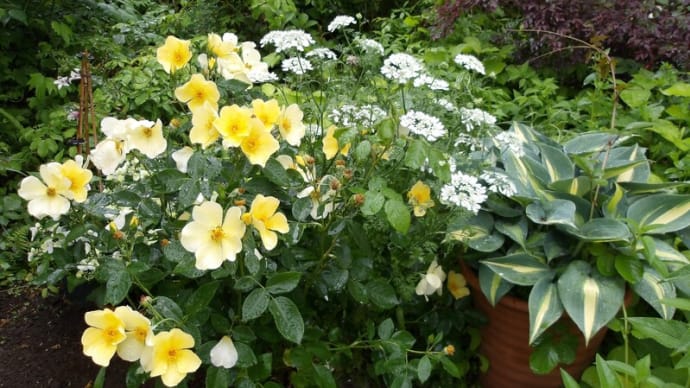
column 201, row 297
column 415, row 155
column 398, row 215
column 255, row 304
column 382, row 294
column 276, row 173
column 287, row 318
column 373, row 202
column 283, row 282
column 680, row 89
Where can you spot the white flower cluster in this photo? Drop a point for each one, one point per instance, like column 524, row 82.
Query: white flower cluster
column 470, row 62
column 287, row 39
column 476, row 117
column 498, row 182
column 509, row 141
column 430, row 82
column 401, row 68
column 321, row 53
column 422, row 124
column 465, row 139
column 445, row 104
column 296, row 65
column 258, row 76
column 464, row 191
column 370, row 46
column 340, row 22
column 65, row 81
column 351, row 115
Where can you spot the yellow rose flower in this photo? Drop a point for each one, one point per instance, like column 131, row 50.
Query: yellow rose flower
column 106, row 332
column 197, row 91
column 290, row 124
column 148, row 138
column 203, row 131
column 330, row 144
column 138, row 333
column 211, row 237
column 221, row 48
column 47, row 196
column 264, row 218
column 266, row 111
column 457, row 285
column 419, row 197
column 174, row 54
column 79, row 180
column 170, row 357
column 259, row 144
column 233, row 124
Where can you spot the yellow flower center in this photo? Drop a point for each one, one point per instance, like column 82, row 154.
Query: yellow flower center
column 286, row 124
column 247, row 218
column 148, row 132
column 251, row 145
column 217, row 234
column 172, row 355
column 178, row 57
column 51, row 192
column 140, row 333
column 111, row 334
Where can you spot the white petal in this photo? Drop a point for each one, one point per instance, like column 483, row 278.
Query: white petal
column 181, row 158
column 208, row 213
column 209, row 256
column 32, row 188
column 195, row 235
column 224, row 354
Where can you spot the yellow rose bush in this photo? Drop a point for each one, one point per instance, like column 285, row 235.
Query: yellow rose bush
column 286, row 216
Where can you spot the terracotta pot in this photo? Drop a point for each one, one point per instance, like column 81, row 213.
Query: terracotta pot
column 505, row 342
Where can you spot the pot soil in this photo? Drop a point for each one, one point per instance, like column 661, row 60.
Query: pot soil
column 505, row 342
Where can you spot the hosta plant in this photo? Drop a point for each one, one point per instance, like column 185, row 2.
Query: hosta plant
column 588, row 221
column 287, row 225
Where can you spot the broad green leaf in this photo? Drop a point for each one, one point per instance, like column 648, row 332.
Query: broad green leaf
column 415, row 154
column 492, row 285
column 607, row 377
column 245, row 355
column 398, row 215
column 544, row 307
column 363, row 151
column 591, row 300
column 450, row 367
column 681, row 303
column 287, row 318
column 590, row 142
column 167, row 308
column 577, row 186
column 217, row 377
column 647, row 188
column 255, row 304
column 630, row 268
column 635, row 96
column 568, row 380
column 324, row 377
column 603, row 230
column 373, row 202
column 118, row 283
column 661, row 213
column 665, row 252
column 424, row 369
column 557, row 163
column 516, row 231
column 554, row 212
column 385, row 329
column 520, row 268
column 201, row 297
column 652, row 288
column 301, row 208
column 276, row 173
column 382, row 294
column 665, row 332
column 283, row 282
column 680, row 89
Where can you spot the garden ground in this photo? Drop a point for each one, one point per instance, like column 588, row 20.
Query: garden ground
column 40, row 343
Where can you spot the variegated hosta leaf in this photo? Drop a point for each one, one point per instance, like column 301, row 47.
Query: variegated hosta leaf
column 665, row 252
column 611, row 207
column 639, row 173
column 557, row 163
column 577, row 186
column 652, row 288
column 477, row 232
column 648, row 188
column 590, row 142
column 661, row 213
column 516, row 231
column 492, row 285
column 528, row 175
column 520, row 268
column 603, row 230
column 590, row 298
column 545, row 307
column 557, row 211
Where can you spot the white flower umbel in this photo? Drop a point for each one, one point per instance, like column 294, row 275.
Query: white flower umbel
column 423, row 124
column 259, row 76
column 432, row 281
column 509, row 141
column 288, row 39
column 430, row 82
column 401, row 67
column 370, row 46
column 353, row 115
column 464, row 191
column 470, row 62
column 445, row 104
column 321, row 53
column 224, row 354
column 296, row 65
column 476, row 117
column 498, row 182
column 340, row 22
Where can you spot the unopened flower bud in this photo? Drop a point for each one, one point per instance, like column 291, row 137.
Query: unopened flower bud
column 241, row 190
column 165, row 242
column 449, row 350
column 309, row 160
column 352, row 60
column 175, row 123
column 118, row 235
column 358, row 199
column 239, row 202
column 134, row 222
column 334, row 184
column 340, row 163
column 347, row 174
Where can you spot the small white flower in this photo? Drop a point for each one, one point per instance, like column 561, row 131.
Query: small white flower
column 463, row 191
column 498, row 182
column 296, row 65
column 62, row 82
column 430, row 82
column 432, row 281
column 470, row 62
column 181, row 158
column 259, row 76
column 370, row 46
column 352, row 115
column 423, row 124
column 509, row 141
column 401, row 67
column 445, row 104
column 286, row 40
column 476, row 117
column 224, row 354
column 321, row 53
column 340, row 22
